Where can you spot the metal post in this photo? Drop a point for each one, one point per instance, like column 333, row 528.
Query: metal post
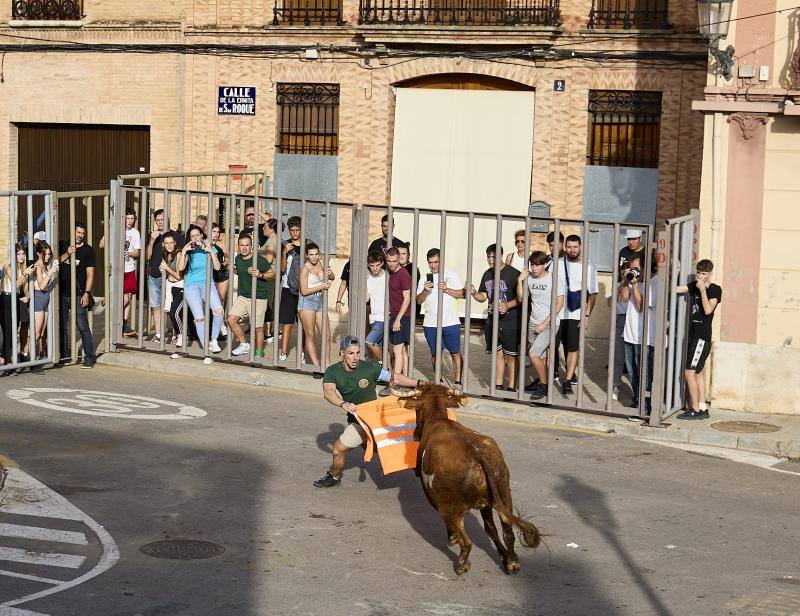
column 553, row 352
column 386, row 312
column 187, row 214
column 107, row 267
column 412, row 318
column 33, row 350
column 140, row 265
column 645, row 318
column 88, row 204
column 253, row 282
column 276, row 323
column 612, row 332
column 584, row 297
column 14, row 299
column 468, row 300
column 495, row 299
column 73, row 303
column 207, row 314
column 300, row 332
column 325, row 344
column 523, row 332
column 657, row 408
column 437, row 370
column 163, row 280
column 671, row 282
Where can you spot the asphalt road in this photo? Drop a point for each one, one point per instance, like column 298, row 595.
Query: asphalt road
column 632, row 527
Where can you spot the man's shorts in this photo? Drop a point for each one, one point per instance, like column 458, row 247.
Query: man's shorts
column 507, row 336
column 242, row 306
column 375, row 335
column 696, row 354
column 404, row 335
column 129, row 283
column 154, row 291
column 571, row 334
column 353, row 435
column 287, row 313
column 539, row 342
column 451, row 338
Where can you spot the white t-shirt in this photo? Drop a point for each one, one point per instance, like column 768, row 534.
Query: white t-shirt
column 431, row 303
column 133, row 241
column 376, row 288
column 575, row 277
column 539, row 291
column 651, row 300
column 518, row 262
column 634, row 319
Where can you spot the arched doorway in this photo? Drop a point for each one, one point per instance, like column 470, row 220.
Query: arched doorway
column 464, row 81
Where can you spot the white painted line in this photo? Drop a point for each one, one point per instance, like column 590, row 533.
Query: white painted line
column 51, row 559
column 734, row 455
column 6, row 610
column 32, row 578
column 42, row 534
column 104, row 403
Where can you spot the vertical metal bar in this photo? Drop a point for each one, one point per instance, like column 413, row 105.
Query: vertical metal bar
column 584, row 297
column 612, row 331
column 88, row 203
column 163, row 280
column 52, row 319
column 140, row 265
column 437, row 370
column 468, row 301
column 73, row 303
column 495, row 300
column 187, row 215
column 413, row 316
column 657, row 390
column 33, row 353
column 687, row 235
column 207, row 314
column 671, row 282
column 253, row 283
column 107, row 267
column 326, row 351
column 523, row 332
column 552, row 355
column 299, row 329
column 645, row 318
column 276, row 324
column 14, row 298
column 357, row 308
column 386, row 298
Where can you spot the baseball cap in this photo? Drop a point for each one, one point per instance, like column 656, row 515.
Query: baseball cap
column 632, row 234
column 40, row 236
column 349, row 341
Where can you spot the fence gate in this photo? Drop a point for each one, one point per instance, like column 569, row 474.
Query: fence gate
column 21, row 321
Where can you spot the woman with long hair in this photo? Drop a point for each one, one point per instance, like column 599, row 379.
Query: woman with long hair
column 314, row 280
column 46, row 271
column 23, row 315
column 193, row 259
column 173, row 289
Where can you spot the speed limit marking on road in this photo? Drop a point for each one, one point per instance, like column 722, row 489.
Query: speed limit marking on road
column 104, row 403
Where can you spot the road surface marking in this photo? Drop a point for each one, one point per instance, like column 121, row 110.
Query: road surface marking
column 32, row 578
column 104, row 403
column 51, row 559
column 42, row 534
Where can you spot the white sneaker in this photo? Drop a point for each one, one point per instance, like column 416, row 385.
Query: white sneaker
column 175, row 356
column 283, row 357
column 243, row 348
column 223, row 329
column 179, row 340
column 615, row 394
column 208, row 361
column 213, row 346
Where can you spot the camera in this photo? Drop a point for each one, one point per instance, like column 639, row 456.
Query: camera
column 633, row 274
column 199, row 245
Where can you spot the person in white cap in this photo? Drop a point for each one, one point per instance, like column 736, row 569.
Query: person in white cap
column 39, row 236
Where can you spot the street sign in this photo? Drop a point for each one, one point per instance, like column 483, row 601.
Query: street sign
column 236, row 100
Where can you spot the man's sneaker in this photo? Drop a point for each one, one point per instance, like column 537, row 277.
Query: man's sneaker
column 156, row 339
column 268, row 338
column 328, row 481
column 179, row 340
column 213, row 346
column 566, row 387
column 385, row 392
column 702, row 414
column 688, row 414
column 574, row 379
column 208, row 361
column 243, row 348
column 88, row 364
column 531, row 387
column 283, row 357
column 175, row 356
column 539, row 392
column 259, row 353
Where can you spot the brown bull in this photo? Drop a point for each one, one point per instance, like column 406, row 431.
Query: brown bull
column 461, row 470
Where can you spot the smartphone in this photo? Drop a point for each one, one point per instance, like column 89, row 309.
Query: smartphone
column 429, row 277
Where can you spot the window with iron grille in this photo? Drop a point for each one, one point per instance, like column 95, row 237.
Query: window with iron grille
column 307, row 12
column 308, row 118
column 624, row 128
column 629, row 14
column 46, row 9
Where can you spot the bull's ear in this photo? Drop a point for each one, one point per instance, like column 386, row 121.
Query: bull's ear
column 453, row 402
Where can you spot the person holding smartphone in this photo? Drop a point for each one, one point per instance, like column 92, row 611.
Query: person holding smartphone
column 452, row 287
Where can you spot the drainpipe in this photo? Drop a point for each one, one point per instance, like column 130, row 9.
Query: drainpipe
column 716, row 180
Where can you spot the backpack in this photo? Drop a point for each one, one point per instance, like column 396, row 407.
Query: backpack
column 293, row 275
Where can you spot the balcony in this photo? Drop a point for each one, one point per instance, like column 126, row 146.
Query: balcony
column 46, row 10
column 460, row 12
column 628, row 15
column 307, row 13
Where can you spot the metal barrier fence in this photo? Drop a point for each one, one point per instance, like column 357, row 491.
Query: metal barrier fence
column 29, row 340
column 461, row 238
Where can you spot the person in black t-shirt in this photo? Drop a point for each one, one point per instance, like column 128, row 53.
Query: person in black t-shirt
column 380, row 244
column 84, row 282
column 704, row 296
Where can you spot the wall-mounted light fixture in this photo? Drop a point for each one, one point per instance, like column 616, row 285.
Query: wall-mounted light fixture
column 714, row 17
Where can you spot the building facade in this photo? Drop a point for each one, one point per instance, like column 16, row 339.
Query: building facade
column 749, row 220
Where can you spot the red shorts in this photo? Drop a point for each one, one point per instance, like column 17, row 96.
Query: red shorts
column 129, row 283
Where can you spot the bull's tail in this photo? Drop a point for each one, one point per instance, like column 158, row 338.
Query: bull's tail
column 528, row 533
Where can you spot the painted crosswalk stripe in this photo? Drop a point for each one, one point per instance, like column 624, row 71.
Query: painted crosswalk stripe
column 53, row 559
column 42, row 534
column 31, row 578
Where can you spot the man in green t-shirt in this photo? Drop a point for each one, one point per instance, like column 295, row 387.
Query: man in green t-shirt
column 242, row 305
column 347, row 384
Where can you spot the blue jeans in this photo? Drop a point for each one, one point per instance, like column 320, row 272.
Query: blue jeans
column 195, row 296
column 82, row 322
column 633, row 354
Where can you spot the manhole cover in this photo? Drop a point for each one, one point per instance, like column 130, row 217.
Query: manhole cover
column 744, row 426
column 182, row 549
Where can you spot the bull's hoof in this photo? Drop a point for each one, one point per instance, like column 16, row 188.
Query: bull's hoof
column 512, row 567
column 451, row 540
column 462, row 568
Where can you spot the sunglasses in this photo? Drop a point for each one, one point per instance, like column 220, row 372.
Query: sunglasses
column 519, row 241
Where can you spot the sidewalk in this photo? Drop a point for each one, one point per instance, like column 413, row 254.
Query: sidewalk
column 784, row 441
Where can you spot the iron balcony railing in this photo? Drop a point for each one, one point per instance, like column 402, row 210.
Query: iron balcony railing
column 46, row 9
column 629, row 14
column 307, row 12
column 461, row 12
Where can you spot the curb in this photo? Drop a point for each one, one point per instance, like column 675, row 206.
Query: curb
column 695, row 434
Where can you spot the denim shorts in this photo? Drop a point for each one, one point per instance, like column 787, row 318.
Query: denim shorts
column 451, row 338
column 154, row 291
column 311, row 303
column 375, row 335
column 41, row 300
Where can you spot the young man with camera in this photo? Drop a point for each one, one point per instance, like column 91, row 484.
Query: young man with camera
column 631, row 292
